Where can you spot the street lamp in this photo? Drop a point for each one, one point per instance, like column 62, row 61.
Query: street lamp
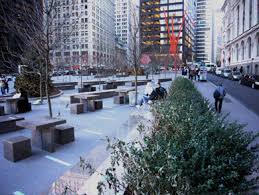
column 20, row 68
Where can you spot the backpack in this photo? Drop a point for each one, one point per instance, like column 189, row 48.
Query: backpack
column 216, row 94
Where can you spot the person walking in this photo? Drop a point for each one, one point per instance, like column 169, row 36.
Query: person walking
column 241, row 70
column 219, row 95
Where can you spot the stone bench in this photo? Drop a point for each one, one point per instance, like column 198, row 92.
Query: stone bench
column 109, row 86
column 77, row 108
column 98, row 104
column 17, row 148
column 119, row 99
column 65, row 87
column 2, row 110
column 64, row 134
column 8, row 123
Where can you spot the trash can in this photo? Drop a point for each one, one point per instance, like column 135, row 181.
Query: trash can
column 132, row 98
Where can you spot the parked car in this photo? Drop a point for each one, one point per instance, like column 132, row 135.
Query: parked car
column 54, row 74
column 235, row 76
column 250, row 80
column 225, row 72
column 218, row 71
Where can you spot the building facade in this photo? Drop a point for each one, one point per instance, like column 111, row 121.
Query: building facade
column 205, row 32
column 88, row 36
column 153, row 32
column 241, row 35
column 126, row 13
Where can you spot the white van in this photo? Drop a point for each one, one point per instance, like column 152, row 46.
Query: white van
column 210, row 67
column 203, row 73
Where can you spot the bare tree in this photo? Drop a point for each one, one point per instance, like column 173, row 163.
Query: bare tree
column 43, row 31
column 134, row 48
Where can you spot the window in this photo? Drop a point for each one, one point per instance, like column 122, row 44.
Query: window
column 257, row 44
column 249, row 44
column 258, row 11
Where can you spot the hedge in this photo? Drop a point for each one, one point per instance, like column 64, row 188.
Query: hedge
column 191, row 150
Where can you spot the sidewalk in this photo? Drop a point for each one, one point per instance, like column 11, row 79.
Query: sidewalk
column 236, row 110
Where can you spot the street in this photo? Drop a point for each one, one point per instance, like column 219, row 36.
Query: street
column 246, row 95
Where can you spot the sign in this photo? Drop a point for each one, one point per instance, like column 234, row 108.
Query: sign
column 145, row 59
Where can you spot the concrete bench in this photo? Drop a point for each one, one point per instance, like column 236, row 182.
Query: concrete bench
column 77, row 108
column 2, row 110
column 17, row 148
column 98, row 104
column 43, row 132
column 164, row 80
column 93, row 89
column 8, row 123
column 118, row 100
column 65, row 87
column 109, row 86
column 64, row 134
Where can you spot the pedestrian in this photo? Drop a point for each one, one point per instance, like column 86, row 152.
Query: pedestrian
column 241, row 70
column 147, row 75
column 6, row 85
column 219, row 95
column 2, row 87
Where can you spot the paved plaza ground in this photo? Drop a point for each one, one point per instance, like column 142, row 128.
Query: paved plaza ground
column 36, row 174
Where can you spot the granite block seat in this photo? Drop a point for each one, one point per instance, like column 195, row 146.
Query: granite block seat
column 17, row 148
column 64, row 134
column 2, row 110
column 93, row 89
column 98, row 104
column 118, row 99
column 8, row 123
column 77, row 108
column 126, row 99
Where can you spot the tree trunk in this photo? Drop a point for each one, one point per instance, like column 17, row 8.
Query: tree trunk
column 41, row 99
column 47, row 88
column 136, row 84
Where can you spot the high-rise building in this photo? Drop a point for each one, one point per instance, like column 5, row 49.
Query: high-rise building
column 241, row 35
column 87, row 36
column 205, row 32
column 125, row 14
column 153, row 32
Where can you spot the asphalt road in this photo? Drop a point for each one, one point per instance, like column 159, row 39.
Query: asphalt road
column 246, row 95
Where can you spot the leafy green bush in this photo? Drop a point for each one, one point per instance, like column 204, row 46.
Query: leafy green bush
column 191, row 150
column 31, row 83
